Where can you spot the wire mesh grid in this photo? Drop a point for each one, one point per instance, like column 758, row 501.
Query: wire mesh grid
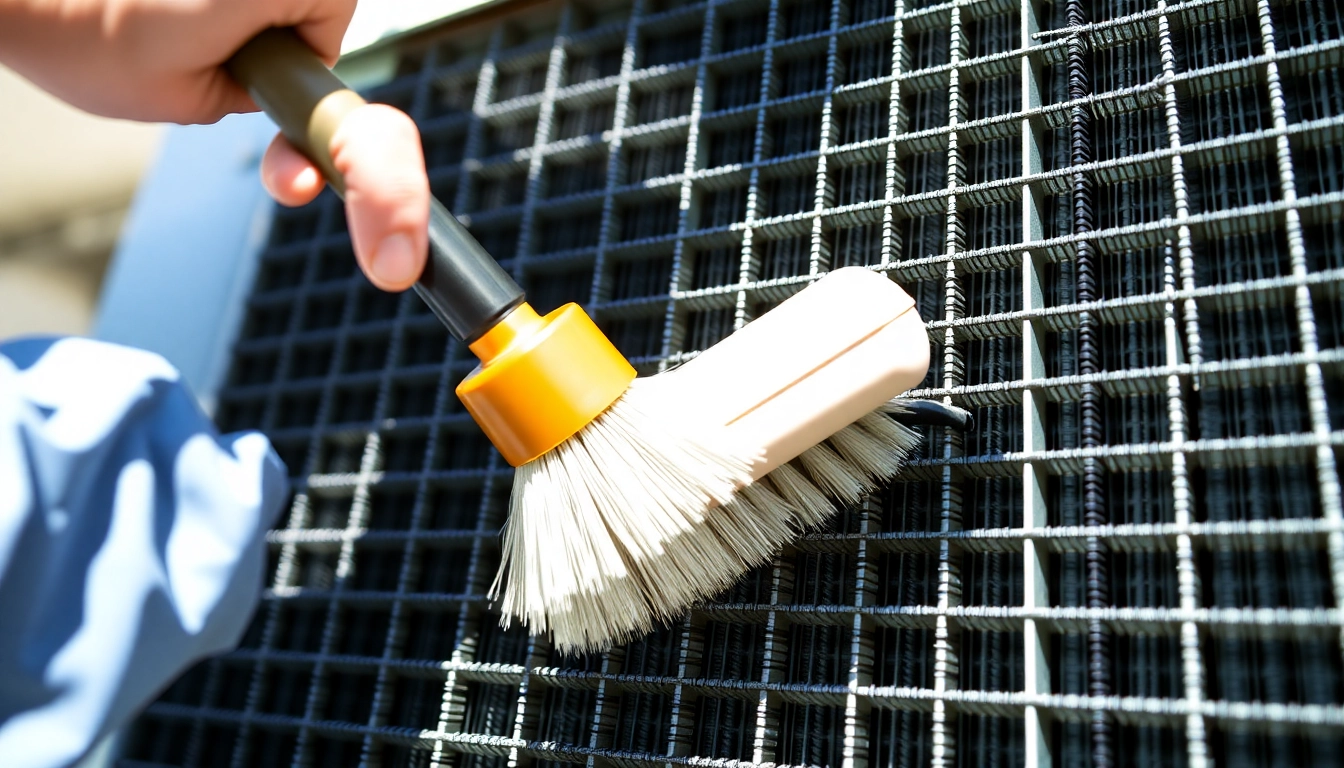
column 1121, row 221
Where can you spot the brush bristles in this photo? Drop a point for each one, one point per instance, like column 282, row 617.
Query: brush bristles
column 635, row 518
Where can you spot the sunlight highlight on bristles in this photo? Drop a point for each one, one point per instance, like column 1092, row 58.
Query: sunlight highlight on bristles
column 640, row 515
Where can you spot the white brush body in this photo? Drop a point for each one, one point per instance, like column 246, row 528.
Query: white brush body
column 696, row 475
column 811, row 366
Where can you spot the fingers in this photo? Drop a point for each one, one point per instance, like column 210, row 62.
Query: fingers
column 377, row 149
column 210, row 93
column 289, row 176
column 322, row 23
column 216, row 95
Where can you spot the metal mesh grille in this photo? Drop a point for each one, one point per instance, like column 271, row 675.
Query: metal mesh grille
column 1122, row 222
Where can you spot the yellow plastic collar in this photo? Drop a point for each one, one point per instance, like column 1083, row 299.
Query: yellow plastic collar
column 541, row 379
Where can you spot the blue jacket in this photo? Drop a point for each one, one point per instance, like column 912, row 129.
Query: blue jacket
column 131, row 540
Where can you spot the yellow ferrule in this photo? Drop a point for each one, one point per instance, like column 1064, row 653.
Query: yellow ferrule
column 542, row 379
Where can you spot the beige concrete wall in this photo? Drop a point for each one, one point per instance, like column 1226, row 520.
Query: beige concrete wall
column 66, row 180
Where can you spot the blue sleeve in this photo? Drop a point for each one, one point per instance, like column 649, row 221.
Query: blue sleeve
column 131, row 540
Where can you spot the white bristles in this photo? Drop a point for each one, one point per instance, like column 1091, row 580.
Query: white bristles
column 638, row 516
column 865, row 450
column 828, row 470
column 813, row 505
column 611, row 524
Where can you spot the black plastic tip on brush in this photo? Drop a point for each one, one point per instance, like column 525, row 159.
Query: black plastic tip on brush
column 931, row 413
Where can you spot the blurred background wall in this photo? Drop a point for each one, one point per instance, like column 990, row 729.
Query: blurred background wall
column 66, row 182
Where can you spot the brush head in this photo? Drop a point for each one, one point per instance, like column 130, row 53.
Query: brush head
column 634, row 520
column 609, row 526
column 692, row 477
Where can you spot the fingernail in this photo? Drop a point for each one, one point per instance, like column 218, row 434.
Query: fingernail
column 394, row 261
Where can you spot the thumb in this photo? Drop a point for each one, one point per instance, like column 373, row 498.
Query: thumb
column 377, row 150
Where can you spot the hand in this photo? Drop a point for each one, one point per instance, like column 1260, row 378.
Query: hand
column 160, row 60
column 377, row 149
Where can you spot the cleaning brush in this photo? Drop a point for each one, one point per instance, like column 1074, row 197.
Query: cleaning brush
column 802, row 394
column 635, row 498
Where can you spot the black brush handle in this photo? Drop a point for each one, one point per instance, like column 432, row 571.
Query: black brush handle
column 462, row 284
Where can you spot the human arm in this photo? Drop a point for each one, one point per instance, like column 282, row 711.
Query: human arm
column 131, row 540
